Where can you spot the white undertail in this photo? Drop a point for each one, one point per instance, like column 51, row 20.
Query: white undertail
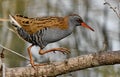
column 13, row 21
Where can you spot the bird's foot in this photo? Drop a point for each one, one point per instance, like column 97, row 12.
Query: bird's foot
column 63, row 50
column 33, row 65
column 42, row 64
column 31, row 59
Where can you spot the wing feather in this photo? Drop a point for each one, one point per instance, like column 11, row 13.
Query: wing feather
column 32, row 25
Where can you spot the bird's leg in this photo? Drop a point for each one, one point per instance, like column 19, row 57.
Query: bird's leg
column 63, row 50
column 30, row 55
column 31, row 59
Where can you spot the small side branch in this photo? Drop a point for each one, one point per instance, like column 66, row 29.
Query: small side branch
column 3, row 19
column 69, row 65
column 5, row 48
column 113, row 8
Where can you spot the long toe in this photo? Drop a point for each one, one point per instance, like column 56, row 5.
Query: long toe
column 64, row 50
column 42, row 64
column 32, row 65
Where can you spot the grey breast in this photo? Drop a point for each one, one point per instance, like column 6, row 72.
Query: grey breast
column 53, row 35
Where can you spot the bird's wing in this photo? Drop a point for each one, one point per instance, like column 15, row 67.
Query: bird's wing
column 32, row 25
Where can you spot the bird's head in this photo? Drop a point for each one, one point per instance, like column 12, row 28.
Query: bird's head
column 77, row 21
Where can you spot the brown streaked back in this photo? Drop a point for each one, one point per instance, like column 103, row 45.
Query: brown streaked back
column 32, row 25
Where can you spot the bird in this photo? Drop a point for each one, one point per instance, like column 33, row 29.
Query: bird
column 41, row 31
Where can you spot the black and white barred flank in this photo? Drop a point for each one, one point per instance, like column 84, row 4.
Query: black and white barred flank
column 43, row 37
column 35, row 39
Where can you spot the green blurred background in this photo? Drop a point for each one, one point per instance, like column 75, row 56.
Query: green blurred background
column 99, row 16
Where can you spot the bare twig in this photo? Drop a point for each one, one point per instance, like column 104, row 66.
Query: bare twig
column 3, row 19
column 69, row 65
column 113, row 8
column 2, row 53
column 3, row 70
column 2, row 63
column 14, row 52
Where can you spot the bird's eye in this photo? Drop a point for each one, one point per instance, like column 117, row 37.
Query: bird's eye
column 79, row 20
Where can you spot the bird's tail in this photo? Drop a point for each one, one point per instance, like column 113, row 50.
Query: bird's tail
column 14, row 22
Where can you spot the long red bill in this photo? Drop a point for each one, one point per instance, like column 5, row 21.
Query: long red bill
column 86, row 26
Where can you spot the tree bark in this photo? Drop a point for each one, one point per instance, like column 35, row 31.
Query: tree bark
column 68, row 65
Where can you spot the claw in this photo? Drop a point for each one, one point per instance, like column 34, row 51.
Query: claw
column 64, row 50
column 40, row 64
column 32, row 64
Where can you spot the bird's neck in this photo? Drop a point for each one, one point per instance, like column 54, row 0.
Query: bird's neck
column 71, row 25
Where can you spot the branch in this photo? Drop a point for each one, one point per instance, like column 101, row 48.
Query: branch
column 3, row 19
column 69, row 65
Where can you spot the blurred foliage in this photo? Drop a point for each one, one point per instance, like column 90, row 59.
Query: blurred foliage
column 82, row 41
